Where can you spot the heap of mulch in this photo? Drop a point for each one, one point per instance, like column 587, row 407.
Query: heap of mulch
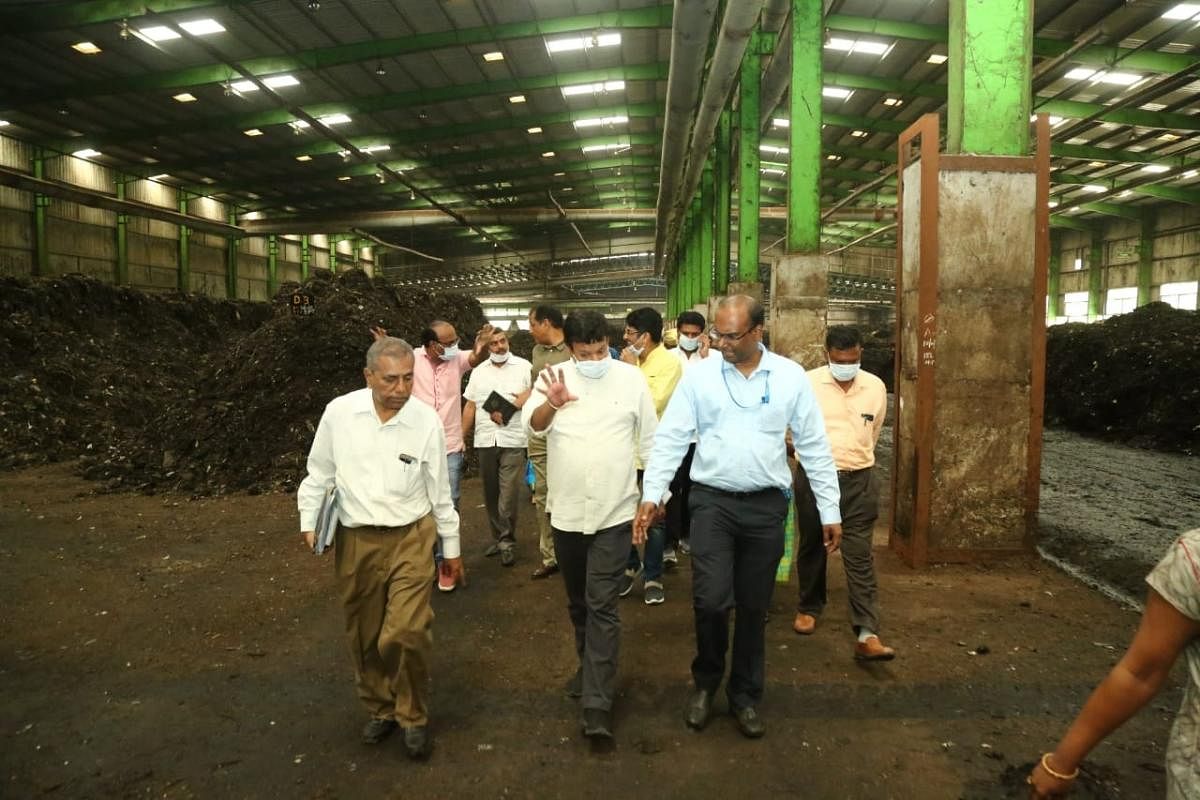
column 83, row 362
column 1134, row 378
column 248, row 422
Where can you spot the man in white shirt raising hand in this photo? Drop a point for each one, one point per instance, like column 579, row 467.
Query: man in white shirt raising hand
column 387, row 457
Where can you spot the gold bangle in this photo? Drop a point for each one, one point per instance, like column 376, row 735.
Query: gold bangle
column 1050, row 770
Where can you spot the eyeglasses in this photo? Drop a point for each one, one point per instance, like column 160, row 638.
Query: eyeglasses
column 717, row 336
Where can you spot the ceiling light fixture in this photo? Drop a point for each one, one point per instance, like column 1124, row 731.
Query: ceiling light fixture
column 517, row 98
column 198, row 27
column 87, row 48
column 591, row 122
column 314, row 5
column 379, row 70
column 86, row 152
column 494, row 55
column 158, row 177
column 1191, row 173
column 836, row 92
column 1156, row 168
column 1183, row 11
column 184, row 97
column 304, row 158
column 583, row 42
column 273, row 82
column 937, row 58
column 850, row 46
column 412, row 194
column 593, row 88
column 124, row 30
column 893, row 101
column 1095, row 188
column 253, row 132
column 548, row 154
column 343, row 177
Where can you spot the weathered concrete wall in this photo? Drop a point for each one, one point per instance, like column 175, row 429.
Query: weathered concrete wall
column 799, row 300
column 905, row 422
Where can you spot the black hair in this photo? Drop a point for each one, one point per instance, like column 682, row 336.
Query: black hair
column 543, row 313
column 842, row 337
column 428, row 337
column 690, row 318
column 585, row 327
column 646, row 320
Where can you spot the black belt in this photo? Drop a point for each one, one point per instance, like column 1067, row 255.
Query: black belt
column 737, row 495
column 843, row 473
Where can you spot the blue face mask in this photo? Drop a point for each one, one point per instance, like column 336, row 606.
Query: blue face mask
column 689, row 343
column 594, row 369
column 449, row 353
column 843, row 372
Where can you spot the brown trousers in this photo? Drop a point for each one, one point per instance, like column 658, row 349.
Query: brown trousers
column 385, row 580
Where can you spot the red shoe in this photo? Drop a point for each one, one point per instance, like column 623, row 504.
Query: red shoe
column 445, row 578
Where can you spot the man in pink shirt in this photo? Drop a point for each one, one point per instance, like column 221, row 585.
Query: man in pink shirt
column 437, row 381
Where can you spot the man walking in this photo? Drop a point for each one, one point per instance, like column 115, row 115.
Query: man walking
column 550, row 348
column 644, row 350
column 740, row 407
column 693, row 348
column 597, row 418
column 387, row 458
column 853, row 404
column 499, row 441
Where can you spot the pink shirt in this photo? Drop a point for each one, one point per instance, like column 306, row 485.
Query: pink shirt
column 440, row 387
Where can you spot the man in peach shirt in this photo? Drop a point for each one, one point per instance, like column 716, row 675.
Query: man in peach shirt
column 853, row 404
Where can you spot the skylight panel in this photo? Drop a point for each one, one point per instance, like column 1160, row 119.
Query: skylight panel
column 836, row 92
column 272, row 82
column 197, row 27
column 592, row 122
column 850, row 46
column 1183, row 11
column 582, row 42
column 593, row 88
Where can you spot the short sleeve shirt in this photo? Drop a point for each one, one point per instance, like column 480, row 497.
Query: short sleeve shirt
column 439, row 386
column 1177, row 580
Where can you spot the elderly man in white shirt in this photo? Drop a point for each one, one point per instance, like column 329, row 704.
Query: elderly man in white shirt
column 387, row 458
column 598, row 418
column 499, row 444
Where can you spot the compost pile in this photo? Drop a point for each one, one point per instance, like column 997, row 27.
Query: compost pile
column 1134, row 378
column 248, row 422
column 83, row 362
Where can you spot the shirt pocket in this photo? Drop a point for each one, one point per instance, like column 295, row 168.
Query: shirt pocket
column 403, row 468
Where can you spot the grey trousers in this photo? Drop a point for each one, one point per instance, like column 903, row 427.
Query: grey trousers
column 860, row 507
column 545, row 534
column 502, row 469
column 592, row 567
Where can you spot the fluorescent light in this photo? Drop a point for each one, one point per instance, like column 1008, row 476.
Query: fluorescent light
column 1097, row 164
column 1095, row 188
column 273, row 82
column 836, row 92
column 594, row 148
column 331, row 119
column 86, row 152
column 833, row 157
column 343, row 177
column 592, row 122
column 1120, row 78
column 185, row 97
column 159, row 33
column 880, row 49
column 1053, row 204
column 593, row 88
column 87, row 48
column 517, row 98
column 374, row 148
column 199, row 27
column 937, row 58
column 1051, row 119
column 253, row 132
column 1183, row 11
column 548, row 154
column 1080, row 74
column 770, row 148
column 304, row 158
column 560, row 174
column 893, row 101
column 780, row 122
column 1191, row 173
column 495, row 55
column 583, row 42
column 1125, row 193
column 534, row 129
column 860, row 134
column 1156, row 168
column 159, row 176
column 772, row 171
column 1169, row 137
column 3, row 123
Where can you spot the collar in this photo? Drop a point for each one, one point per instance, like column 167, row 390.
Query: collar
column 764, row 363
column 555, row 347
column 365, row 404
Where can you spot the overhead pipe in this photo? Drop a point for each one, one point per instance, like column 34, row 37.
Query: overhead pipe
column 738, row 24
column 691, row 28
column 775, row 14
column 393, row 246
column 563, row 215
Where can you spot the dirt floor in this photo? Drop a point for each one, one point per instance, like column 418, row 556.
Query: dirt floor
column 174, row 647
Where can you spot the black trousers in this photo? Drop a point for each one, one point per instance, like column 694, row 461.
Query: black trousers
column 737, row 542
column 678, row 517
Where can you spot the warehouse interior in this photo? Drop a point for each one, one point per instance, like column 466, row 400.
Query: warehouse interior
column 1003, row 196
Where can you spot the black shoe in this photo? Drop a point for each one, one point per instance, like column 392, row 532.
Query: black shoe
column 628, row 579
column 544, row 571
column 508, row 556
column 417, row 742
column 749, row 723
column 597, row 723
column 574, row 687
column 376, row 730
column 699, row 709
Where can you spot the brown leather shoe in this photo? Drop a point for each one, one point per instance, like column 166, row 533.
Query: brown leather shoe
column 544, row 571
column 873, row 650
column 804, row 624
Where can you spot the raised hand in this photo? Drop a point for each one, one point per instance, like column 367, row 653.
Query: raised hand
column 557, row 393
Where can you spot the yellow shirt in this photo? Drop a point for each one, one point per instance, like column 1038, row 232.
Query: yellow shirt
column 853, row 417
column 662, row 371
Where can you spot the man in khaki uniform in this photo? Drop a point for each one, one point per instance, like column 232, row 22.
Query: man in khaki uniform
column 546, row 326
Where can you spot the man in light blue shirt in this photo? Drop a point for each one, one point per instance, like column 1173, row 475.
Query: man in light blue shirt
column 740, row 406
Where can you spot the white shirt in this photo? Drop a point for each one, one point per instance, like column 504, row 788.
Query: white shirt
column 387, row 474
column 695, row 359
column 507, row 380
column 591, row 446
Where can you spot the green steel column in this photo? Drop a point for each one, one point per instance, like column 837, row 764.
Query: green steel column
column 41, row 253
column 231, row 261
column 184, row 276
column 685, row 263
column 333, row 243
column 991, row 69
column 272, row 265
column 748, row 164
column 1146, row 256
column 1055, row 272
column 804, row 132
column 721, row 211
column 1096, row 274
column 697, row 253
column 304, row 257
column 121, row 269
column 707, row 204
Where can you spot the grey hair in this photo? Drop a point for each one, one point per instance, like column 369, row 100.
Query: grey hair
column 754, row 309
column 387, row 346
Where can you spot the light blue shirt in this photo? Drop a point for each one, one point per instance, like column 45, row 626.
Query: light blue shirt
column 741, row 423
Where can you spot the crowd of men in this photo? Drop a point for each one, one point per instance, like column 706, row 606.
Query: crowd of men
column 638, row 456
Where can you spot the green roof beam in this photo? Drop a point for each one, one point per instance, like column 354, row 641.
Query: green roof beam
column 1112, row 210
column 56, row 16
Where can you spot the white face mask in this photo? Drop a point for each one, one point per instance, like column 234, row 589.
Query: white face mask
column 594, row 369
column 449, row 353
column 499, row 358
column 843, row 372
column 689, row 343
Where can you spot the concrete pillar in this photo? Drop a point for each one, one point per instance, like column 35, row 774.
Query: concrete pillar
column 305, row 257
column 183, row 276
column 1146, row 256
column 41, row 248
column 272, row 265
column 231, row 262
column 1096, row 273
column 121, row 267
column 1054, row 274
column 799, row 303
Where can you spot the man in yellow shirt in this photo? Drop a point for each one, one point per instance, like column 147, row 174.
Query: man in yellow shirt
column 853, row 404
column 644, row 349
